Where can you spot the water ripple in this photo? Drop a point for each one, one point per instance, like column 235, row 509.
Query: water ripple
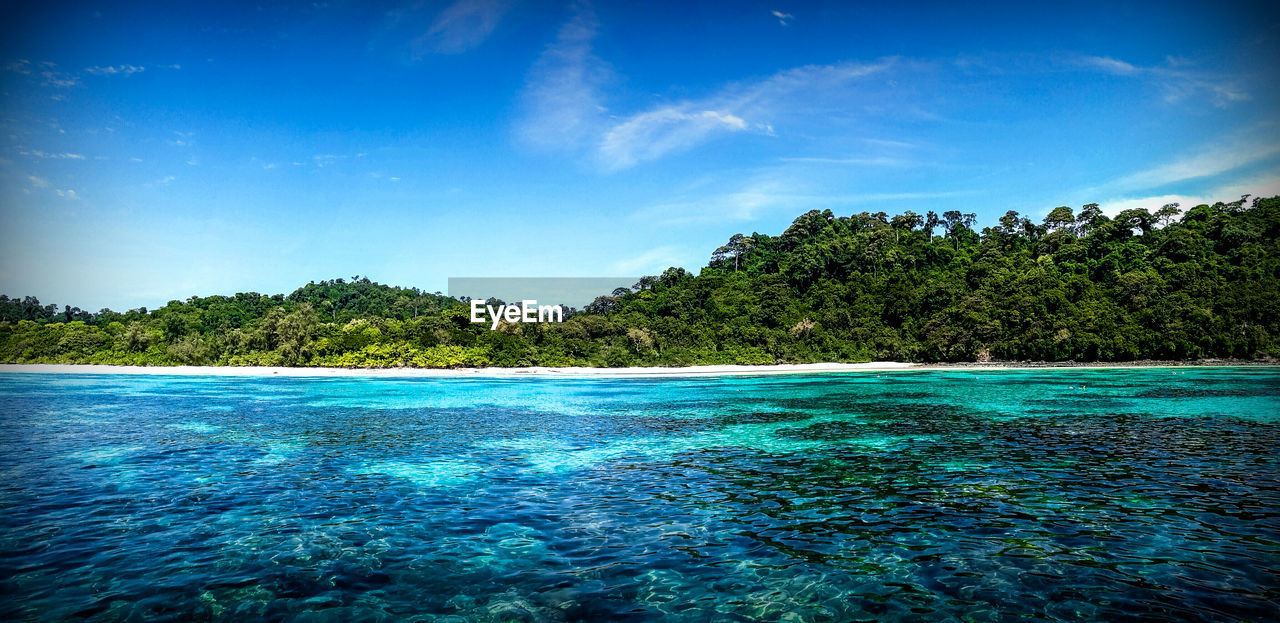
column 1062, row 495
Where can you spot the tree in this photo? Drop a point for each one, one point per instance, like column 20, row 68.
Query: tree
column 1138, row 218
column 1060, row 219
column 1091, row 217
column 735, row 249
column 931, row 223
column 829, row 289
column 1167, row 214
column 906, row 221
column 1011, row 223
column 955, row 222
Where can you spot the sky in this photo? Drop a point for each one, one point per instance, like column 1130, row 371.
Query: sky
column 154, row 151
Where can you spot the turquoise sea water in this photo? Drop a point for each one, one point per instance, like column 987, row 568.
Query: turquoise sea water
column 1149, row 494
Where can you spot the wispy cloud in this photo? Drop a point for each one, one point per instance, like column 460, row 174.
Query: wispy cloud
column 712, row 200
column 562, row 100
column 54, row 156
column 652, row 261
column 1244, row 162
column 45, row 70
column 882, row 142
column 567, row 106
column 67, row 194
column 1109, row 65
column 1266, row 185
column 20, row 66
column 748, row 106
column 58, row 79
column 38, row 182
column 1222, row 156
column 565, row 110
column 649, row 135
column 1176, row 78
column 115, row 70
column 50, row 76
column 463, row 25
column 875, row 161
column 780, row 190
column 317, row 161
column 783, row 18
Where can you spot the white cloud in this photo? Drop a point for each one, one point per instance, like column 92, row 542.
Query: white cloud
column 114, row 70
column 67, row 194
column 59, row 79
column 52, row 77
column 564, row 106
column 463, row 25
column 878, row 161
column 654, row 133
column 1116, row 206
column 1110, row 65
column 783, row 18
column 890, row 143
column 1176, row 78
column 649, row 135
column 772, row 191
column 561, row 100
column 20, row 66
column 57, row 156
column 1267, row 185
column 318, row 161
column 736, row 201
column 38, row 182
column 651, row 262
column 1223, row 156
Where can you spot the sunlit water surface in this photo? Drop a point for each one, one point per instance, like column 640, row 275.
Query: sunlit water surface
column 990, row 495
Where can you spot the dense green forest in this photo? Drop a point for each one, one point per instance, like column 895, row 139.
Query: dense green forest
column 1162, row 284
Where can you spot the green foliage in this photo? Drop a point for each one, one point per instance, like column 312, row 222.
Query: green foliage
column 401, row 355
column 1078, row 286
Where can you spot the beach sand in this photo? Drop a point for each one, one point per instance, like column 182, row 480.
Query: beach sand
column 728, row 370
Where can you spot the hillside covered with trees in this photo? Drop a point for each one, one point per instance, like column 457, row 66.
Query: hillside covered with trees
column 1162, row 284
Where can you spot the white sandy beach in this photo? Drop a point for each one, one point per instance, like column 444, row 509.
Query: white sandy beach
column 727, row 370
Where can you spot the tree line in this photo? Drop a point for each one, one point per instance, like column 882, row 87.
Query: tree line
column 1166, row 284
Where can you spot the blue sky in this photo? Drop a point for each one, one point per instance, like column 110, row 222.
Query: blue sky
column 154, row 151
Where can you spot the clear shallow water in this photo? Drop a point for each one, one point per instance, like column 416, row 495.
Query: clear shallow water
column 1148, row 494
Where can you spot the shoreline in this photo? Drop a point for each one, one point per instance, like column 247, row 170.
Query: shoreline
column 582, row 372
